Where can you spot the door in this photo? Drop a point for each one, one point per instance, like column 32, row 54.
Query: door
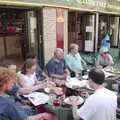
column 89, row 32
column 35, row 31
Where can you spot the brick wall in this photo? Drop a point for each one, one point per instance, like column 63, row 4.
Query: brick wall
column 66, row 31
column 49, row 31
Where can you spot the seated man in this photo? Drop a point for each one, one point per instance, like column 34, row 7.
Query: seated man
column 101, row 105
column 9, row 108
column 57, row 67
column 74, row 60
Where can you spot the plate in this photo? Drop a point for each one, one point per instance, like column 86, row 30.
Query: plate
column 56, row 90
column 85, row 77
column 38, row 98
column 76, row 84
column 78, row 100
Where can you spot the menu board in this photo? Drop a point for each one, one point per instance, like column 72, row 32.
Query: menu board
column 89, row 45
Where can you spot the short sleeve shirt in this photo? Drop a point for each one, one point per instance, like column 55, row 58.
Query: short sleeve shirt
column 54, row 67
column 99, row 106
column 105, row 62
column 75, row 62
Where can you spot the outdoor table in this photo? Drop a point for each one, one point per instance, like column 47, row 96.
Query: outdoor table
column 61, row 112
column 64, row 111
column 111, row 80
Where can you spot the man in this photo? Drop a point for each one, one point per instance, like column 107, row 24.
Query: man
column 74, row 60
column 57, row 67
column 9, row 108
column 99, row 106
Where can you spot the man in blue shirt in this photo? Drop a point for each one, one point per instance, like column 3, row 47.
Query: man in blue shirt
column 57, row 67
column 74, row 60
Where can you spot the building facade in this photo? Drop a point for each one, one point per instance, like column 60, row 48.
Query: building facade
column 45, row 25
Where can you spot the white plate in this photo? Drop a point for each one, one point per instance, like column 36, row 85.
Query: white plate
column 77, row 83
column 47, row 90
column 57, row 90
column 79, row 100
column 38, row 98
column 85, row 77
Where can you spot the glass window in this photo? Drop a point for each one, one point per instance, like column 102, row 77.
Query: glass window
column 113, row 31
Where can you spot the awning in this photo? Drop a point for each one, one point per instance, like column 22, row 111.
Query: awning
column 104, row 6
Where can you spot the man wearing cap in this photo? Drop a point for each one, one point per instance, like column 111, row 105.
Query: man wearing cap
column 104, row 59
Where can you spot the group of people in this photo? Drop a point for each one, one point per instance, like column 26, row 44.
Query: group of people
column 14, row 83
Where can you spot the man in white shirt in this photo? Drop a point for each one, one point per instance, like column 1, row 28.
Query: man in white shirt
column 99, row 106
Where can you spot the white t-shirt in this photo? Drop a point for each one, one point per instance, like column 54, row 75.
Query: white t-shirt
column 99, row 106
column 28, row 81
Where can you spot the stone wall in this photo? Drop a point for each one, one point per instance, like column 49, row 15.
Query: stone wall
column 49, row 32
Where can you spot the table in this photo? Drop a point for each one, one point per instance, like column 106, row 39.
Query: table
column 111, row 80
column 62, row 113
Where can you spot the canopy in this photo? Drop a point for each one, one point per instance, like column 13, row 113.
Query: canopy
column 108, row 6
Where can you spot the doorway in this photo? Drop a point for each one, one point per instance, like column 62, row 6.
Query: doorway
column 81, row 30
column 20, row 30
column 13, row 34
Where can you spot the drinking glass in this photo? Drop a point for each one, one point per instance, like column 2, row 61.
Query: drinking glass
column 52, row 98
column 57, row 103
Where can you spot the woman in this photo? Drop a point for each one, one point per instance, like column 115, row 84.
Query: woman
column 28, row 77
column 104, row 59
column 10, row 109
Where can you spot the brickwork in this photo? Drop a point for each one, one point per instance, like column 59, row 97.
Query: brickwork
column 49, row 31
column 66, row 31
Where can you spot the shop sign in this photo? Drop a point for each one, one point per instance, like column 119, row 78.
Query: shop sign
column 89, row 45
column 96, row 5
column 60, row 28
column 89, row 28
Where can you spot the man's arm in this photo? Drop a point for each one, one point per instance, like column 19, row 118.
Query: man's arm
column 61, row 77
column 74, row 111
column 86, row 111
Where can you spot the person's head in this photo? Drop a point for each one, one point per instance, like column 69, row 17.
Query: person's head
column 29, row 66
column 96, row 77
column 59, row 54
column 7, row 79
column 31, row 55
column 104, row 51
column 74, row 48
column 9, row 64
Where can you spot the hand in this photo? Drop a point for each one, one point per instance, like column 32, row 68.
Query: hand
column 73, row 100
column 99, row 67
column 67, row 72
column 41, row 86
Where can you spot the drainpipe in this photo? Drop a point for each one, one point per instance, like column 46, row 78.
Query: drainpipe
column 96, row 34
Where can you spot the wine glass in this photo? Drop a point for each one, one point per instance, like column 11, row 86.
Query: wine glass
column 56, row 103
